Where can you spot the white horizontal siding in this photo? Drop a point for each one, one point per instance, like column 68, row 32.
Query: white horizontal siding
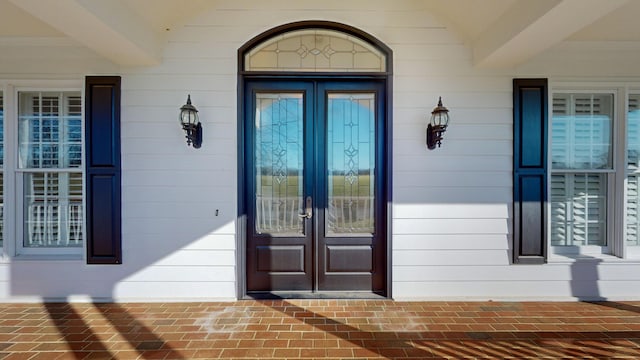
column 450, row 211
column 463, row 179
column 410, row 242
column 450, row 257
column 170, row 291
column 204, row 224
column 194, row 273
column 419, row 114
column 444, row 163
column 450, row 226
column 580, row 272
column 152, row 196
column 518, row 290
column 483, row 290
column 190, row 257
column 456, row 195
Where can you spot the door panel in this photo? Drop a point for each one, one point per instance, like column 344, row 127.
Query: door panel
column 314, row 193
column 350, row 251
column 279, row 241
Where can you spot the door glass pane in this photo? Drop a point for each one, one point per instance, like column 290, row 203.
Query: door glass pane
column 279, row 168
column 350, row 163
column 633, row 171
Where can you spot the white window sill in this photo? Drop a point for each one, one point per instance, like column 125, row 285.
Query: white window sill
column 46, row 258
column 596, row 258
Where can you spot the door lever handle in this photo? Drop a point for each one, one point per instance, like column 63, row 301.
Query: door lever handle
column 308, row 211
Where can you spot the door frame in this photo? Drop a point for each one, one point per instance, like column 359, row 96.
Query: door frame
column 244, row 76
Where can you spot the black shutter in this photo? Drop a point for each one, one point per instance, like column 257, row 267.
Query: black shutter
column 102, row 139
column 529, row 170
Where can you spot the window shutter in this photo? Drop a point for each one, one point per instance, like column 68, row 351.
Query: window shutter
column 103, row 174
column 529, row 170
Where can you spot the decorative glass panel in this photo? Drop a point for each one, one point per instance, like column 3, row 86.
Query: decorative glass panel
column 578, row 209
column 315, row 50
column 581, row 131
column 633, row 171
column 279, row 163
column 53, row 209
column 350, row 163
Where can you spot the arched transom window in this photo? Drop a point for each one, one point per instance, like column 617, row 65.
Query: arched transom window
column 315, row 50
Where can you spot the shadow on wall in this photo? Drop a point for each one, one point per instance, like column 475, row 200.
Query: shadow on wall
column 584, row 279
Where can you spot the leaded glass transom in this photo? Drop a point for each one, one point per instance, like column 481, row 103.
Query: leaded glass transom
column 315, row 50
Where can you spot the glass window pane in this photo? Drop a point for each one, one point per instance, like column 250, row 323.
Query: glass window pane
column 49, row 130
column 578, row 209
column 633, row 172
column 279, row 163
column 581, row 131
column 53, row 209
column 350, row 163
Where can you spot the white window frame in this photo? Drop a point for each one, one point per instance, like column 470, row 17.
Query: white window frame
column 2, row 204
column 616, row 207
column 14, row 216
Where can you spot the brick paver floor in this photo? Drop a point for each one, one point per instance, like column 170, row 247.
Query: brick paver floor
column 321, row 329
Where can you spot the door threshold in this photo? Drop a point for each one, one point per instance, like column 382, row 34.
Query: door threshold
column 323, row 295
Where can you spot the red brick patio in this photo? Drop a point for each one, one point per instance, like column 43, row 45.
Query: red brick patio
column 321, row 329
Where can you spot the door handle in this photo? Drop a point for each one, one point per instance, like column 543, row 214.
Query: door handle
column 308, row 211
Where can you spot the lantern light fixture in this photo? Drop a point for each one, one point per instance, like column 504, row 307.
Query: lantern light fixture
column 437, row 125
column 191, row 124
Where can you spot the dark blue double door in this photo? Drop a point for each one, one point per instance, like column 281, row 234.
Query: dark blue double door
column 314, row 185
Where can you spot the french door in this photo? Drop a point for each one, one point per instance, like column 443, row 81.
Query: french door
column 315, row 202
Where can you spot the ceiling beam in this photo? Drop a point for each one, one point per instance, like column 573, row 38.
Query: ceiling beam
column 106, row 26
column 530, row 27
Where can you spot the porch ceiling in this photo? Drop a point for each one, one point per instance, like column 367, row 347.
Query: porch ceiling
column 501, row 33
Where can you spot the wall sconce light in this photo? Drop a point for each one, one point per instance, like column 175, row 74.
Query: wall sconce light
column 191, row 124
column 437, row 125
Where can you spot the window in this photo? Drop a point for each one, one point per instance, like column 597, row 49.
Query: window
column 581, row 169
column 595, row 203
column 48, row 181
column 49, row 174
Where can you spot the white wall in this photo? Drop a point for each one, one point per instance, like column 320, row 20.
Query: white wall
column 452, row 206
